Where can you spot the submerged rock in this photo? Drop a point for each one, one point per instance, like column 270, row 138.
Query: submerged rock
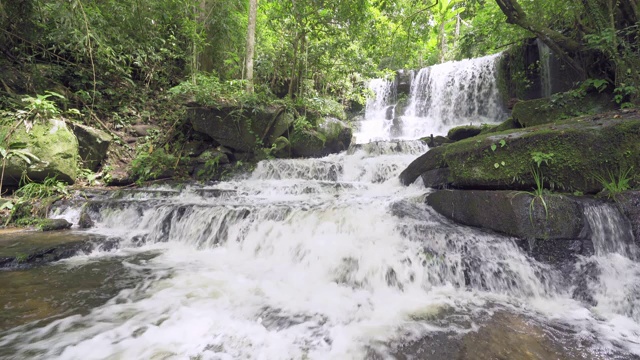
column 53, row 224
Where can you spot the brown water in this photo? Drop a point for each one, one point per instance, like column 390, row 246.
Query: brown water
column 40, row 295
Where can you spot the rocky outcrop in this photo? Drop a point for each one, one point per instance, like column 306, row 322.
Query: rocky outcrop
column 629, row 202
column 463, row 132
column 568, row 155
column 513, row 213
column 562, row 106
column 241, row 129
column 431, row 160
column 331, row 136
column 93, row 145
column 56, row 147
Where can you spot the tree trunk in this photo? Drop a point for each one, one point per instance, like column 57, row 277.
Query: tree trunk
column 251, row 43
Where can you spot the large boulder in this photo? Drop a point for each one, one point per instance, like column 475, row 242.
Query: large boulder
column 93, row 145
column 242, row 129
column 577, row 153
column 431, row 160
column 330, row 136
column 54, row 144
column 513, row 213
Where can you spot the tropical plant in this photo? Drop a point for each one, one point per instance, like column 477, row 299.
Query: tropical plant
column 18, row 150
column 51, row 186
column 615, row 183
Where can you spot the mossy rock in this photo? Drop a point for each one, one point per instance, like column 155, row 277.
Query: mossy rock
column 242, row 129
column 508, row 124
column 559, row 107
column 330, row 136
column 580, row 150
column 56, row 147
column 93, row 145
column 463, row 132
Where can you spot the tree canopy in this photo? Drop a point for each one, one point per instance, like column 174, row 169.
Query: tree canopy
column 100, row 51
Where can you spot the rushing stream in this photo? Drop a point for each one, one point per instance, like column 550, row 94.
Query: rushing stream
column 320, row 259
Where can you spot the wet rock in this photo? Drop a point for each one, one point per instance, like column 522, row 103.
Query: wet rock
column 437, row 178
column 431, row 160
column 53, row 224
column 629, row 202
column 85, row 221
column 27, row 249
column 56, row 147
column 513, row 213
column 463, row 132
column 93, row 145
column 403, row 82
column 435, row 141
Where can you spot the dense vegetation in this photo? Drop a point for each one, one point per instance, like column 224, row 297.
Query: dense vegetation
column 125, row 62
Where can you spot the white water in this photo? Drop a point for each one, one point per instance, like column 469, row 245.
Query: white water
column 317, row 259
column 455, row 93
column 544, row 53
column 377, row 123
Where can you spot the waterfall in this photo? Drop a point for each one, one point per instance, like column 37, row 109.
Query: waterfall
column 611, row 232
column 319, row 259
column 453, row 94
column 545, row 69
column 441, row 97
column 379, row 112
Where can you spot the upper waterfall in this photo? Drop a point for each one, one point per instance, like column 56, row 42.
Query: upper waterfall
column 442, row 96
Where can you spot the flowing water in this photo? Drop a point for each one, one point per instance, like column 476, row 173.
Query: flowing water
column 325, row 258
column 544, row 53
column 322, row 259
column 442, row 96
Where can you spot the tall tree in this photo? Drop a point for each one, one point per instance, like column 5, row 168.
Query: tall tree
column 251, row 43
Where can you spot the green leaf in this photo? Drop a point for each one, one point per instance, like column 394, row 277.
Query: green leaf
column 493, row 147
column 496, row 165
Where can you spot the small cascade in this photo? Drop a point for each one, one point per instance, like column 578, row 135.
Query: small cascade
column 544, row 54
column 611, row 232
column 453, row 94
column 379, row 112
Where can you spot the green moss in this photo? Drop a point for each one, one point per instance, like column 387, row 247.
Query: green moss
column 580, row 148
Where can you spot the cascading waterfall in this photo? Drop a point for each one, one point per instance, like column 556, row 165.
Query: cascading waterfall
column 544, row 54
column 453, row 94
column 441, row 97
column 325, row 258
column 379, row 112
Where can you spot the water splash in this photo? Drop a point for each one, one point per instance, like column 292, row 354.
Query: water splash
column 315, row 258
column 453, row 94
column 379, row 112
